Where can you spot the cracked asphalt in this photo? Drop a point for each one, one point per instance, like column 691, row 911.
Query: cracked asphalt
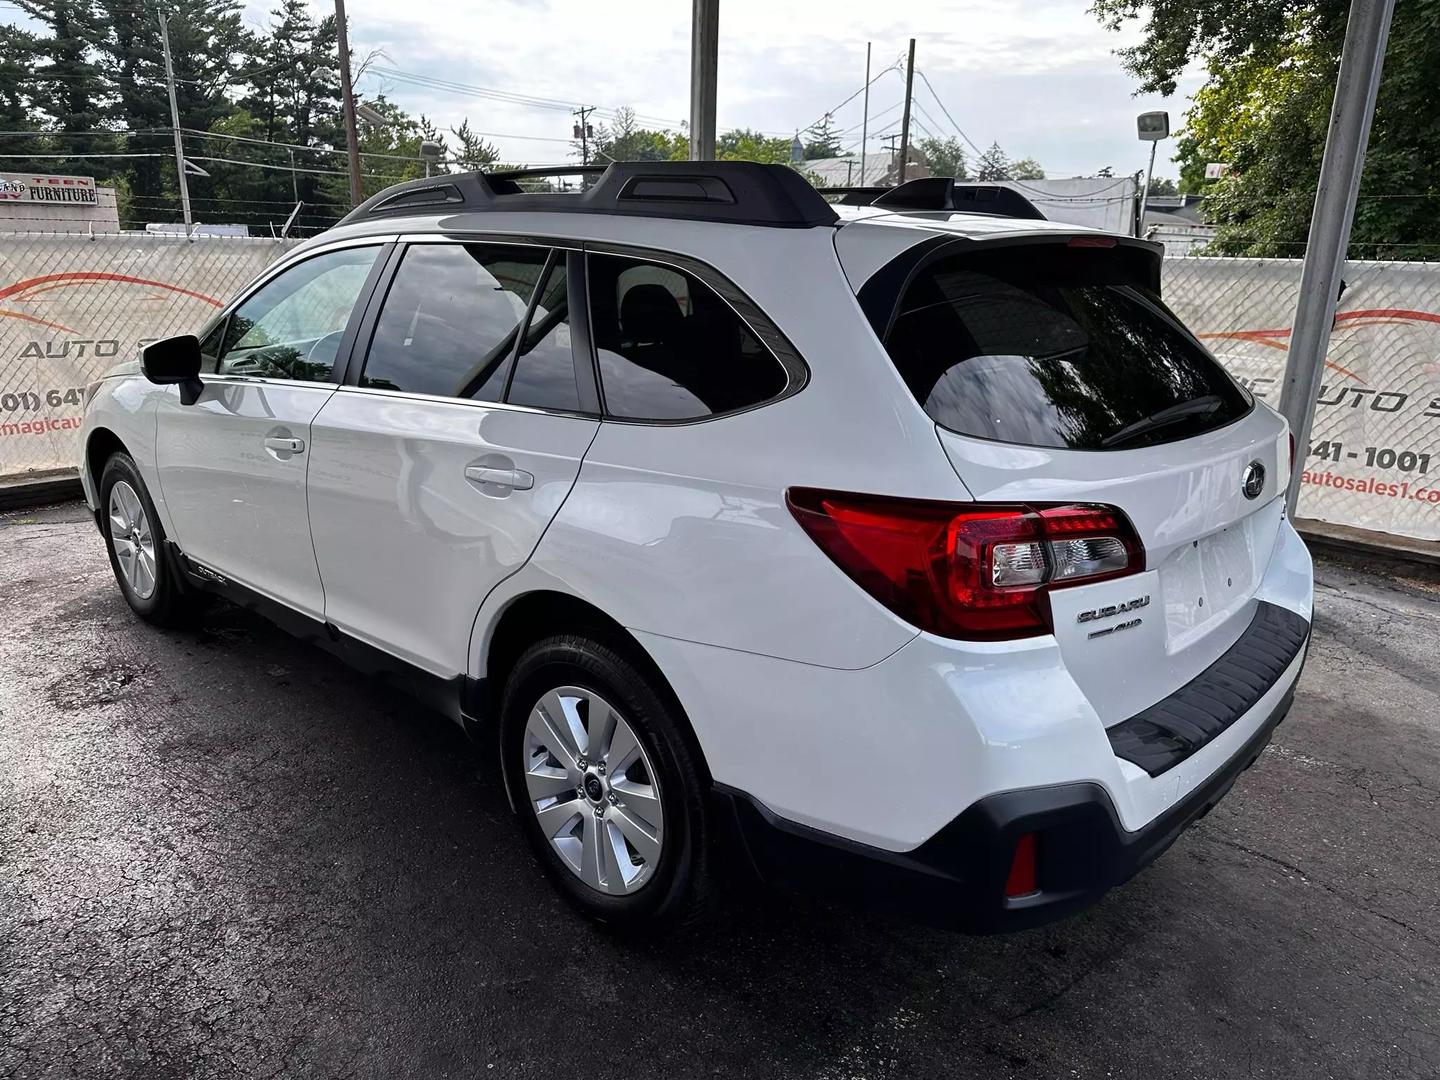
column 223, row 854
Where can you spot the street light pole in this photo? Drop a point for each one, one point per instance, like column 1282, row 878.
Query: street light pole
column 1145, row 192
column 704, row 65
column 347, row 96
column 175, row 123
column 1358, row 83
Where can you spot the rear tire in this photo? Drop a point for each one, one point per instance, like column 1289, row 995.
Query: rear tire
column 609, row 788
column 135, row 541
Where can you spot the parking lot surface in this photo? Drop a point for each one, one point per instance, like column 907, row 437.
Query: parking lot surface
column 222, row 853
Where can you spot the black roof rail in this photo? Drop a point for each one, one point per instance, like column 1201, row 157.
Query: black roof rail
column 737, row 192
column 945, row 193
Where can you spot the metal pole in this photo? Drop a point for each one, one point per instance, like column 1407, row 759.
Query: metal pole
column 294, row 179
column 347, row 96
column 1145, row 191
column 905, row 121
column 175, row 123
column 704, row 65
column 865, row 116
column 1350, row 116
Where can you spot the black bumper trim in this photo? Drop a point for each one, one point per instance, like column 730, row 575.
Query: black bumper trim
column 1162, row 736
column 956, row 879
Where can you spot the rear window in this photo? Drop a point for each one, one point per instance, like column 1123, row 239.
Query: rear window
column 1056, row 348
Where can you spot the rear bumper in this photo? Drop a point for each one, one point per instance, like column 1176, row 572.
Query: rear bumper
column 956, row 879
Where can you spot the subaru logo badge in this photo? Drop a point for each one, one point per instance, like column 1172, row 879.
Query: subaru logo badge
column 1252, row 481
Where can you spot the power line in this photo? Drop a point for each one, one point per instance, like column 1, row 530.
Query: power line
column 957, row 127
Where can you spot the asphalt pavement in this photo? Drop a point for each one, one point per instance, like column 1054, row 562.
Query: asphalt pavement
column 224, row 854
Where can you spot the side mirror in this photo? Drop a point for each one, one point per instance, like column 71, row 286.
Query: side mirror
column 174, row 361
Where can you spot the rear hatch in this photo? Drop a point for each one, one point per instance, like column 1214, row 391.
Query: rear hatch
column 1055, row 375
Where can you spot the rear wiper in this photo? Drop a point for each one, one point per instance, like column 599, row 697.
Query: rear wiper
column 1200, row 406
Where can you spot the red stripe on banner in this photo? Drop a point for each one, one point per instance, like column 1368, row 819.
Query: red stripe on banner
column 79, row 277
column 31, row 318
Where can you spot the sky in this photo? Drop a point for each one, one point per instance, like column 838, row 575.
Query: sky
column 1037, row 76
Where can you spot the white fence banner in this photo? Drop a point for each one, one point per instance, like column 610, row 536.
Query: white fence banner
column 71, row 307
column 1374, row 455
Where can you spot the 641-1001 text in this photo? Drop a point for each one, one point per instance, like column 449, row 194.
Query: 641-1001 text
column 33, row 400
column 1375, row 457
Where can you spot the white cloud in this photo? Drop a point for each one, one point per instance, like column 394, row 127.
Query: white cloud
column 1038, row 76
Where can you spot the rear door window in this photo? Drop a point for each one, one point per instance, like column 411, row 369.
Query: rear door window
column 449, row 322
column 1051, row 347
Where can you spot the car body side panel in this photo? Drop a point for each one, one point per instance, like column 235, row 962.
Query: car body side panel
column 125, row 406
column 682, row 529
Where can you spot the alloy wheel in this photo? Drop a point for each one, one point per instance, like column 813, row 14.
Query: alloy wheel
column 591, row 787
column 134, row 542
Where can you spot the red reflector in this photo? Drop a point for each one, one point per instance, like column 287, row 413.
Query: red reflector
column 1021, row 881
column 1092, row 241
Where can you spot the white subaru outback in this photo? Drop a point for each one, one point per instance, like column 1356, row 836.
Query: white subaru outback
column 919, row 552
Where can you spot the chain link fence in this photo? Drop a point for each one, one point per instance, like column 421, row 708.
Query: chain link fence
column 71, row 307
column 1374, row 457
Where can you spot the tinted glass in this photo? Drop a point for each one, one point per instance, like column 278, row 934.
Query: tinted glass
column 1055, row 348
column 450, row 318
column 670, row 348
column 291, row 328
column 545, row 370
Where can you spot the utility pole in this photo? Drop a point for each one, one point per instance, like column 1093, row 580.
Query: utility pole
column 347, row 95
column 905, row 120
column 175, row 123
column 1359, row 80
column 582, row 129
column 704, row 65
column 865, row 116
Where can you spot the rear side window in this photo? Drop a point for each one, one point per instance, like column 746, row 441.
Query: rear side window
column 449, row 321
column 1054, row 347
column 669, row 348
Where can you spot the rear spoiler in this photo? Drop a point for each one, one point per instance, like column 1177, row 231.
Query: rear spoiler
column 880, row 295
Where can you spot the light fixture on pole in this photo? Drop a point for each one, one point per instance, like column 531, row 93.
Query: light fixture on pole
column 1151, row 127
column 429, row 153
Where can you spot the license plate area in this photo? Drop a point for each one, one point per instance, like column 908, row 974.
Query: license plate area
column 1207, row 580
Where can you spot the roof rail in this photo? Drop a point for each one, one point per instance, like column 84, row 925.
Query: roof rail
column 737, row 192
column 945, row 193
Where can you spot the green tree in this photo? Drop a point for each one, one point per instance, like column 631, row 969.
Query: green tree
column 1264, row 110
column 946, row 157
column 1160, row 185
column 744, row 144
column 19, row 51
column 993, row 164
column 623, row 139
column 822, row 140
column 1026, row 169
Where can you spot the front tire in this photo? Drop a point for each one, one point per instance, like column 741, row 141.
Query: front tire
column 135, row 541
column 608, row 786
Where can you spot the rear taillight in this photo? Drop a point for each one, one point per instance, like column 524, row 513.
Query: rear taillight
column 967, row 570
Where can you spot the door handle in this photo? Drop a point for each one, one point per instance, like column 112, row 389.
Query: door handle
column 518, row 479
column 285, row 446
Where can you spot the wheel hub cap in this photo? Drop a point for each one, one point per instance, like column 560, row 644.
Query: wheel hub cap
column 593, row 791
column 132, row 539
